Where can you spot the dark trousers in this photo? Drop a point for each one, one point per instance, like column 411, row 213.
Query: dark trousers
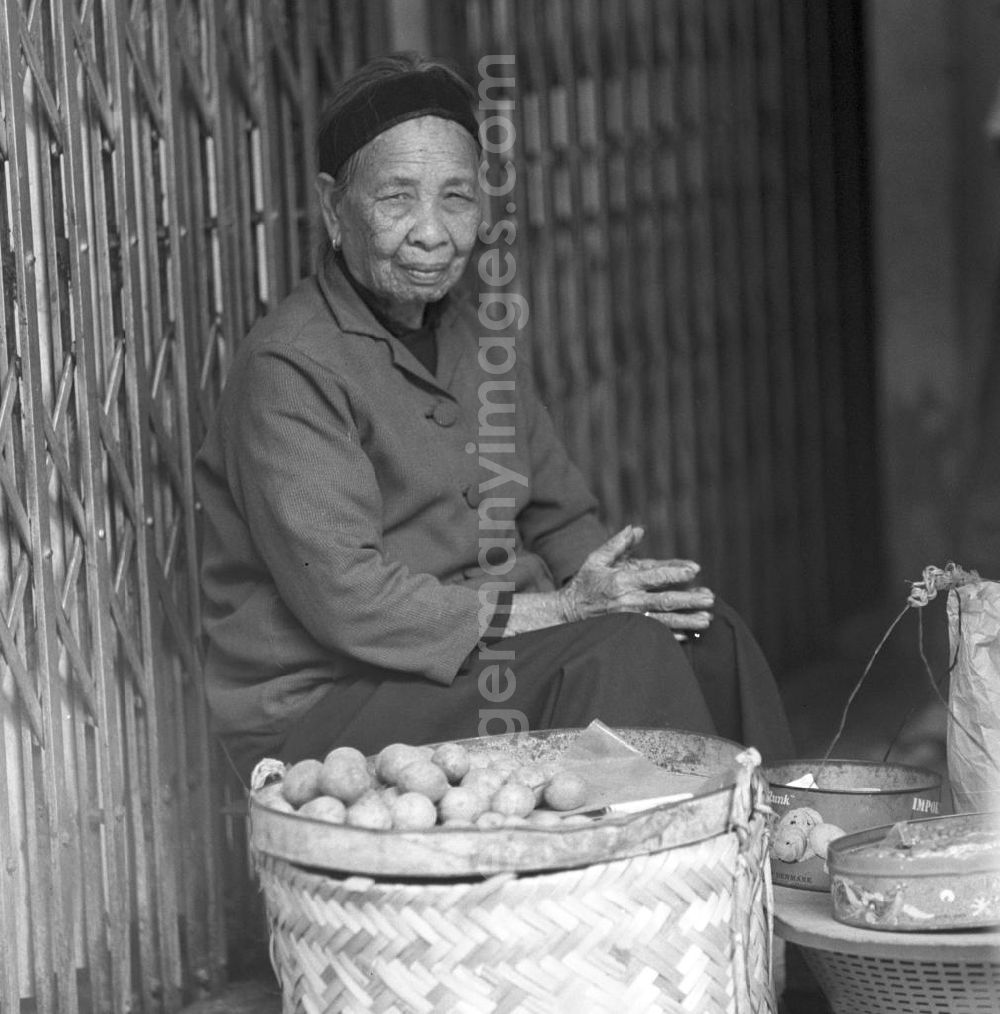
column 625, row 669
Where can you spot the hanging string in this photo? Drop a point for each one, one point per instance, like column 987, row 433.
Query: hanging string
column 857, row 688
column 937, row 684
column 935, row 579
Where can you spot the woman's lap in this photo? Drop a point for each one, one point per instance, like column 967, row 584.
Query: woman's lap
column 624, row 669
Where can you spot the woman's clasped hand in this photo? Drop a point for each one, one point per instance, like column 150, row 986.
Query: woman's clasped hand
column 611, row 580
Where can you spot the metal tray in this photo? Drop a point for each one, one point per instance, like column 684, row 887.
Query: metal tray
column 460, row 852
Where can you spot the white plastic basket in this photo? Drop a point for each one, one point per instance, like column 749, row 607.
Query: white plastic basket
column 856, row 984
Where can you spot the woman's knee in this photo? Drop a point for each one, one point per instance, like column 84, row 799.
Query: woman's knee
column 637, row 635
column 628, row 623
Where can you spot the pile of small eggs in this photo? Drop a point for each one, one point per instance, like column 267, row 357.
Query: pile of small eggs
column 417, row 788
column 801, row 834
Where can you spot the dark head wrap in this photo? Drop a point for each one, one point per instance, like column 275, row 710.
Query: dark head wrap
column 389, row 101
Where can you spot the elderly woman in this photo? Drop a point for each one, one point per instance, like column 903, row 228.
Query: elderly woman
column 349, row 599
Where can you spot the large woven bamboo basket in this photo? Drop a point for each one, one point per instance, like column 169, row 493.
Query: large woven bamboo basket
column 679, row 921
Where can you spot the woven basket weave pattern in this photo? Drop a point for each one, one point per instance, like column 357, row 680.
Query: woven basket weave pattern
column 856, row 984
column 686, row 929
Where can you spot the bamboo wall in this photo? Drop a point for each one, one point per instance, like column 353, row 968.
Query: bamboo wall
column 691, row 264
column 154, row 199
column 691, row 243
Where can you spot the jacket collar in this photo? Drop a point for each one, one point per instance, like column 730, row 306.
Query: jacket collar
column 353, row 316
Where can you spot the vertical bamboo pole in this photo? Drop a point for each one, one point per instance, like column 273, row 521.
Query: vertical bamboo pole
column 56, row 490
column 664, row 157
column 828, row 286
column 10, row 935
column 102, row 135
column 109, row 924
column 702, row 53
column 651, row 451
column 613, row 262
column 17, row 923
column 124, row 681
column 226, row 173
column 759, row 448
column 554, row 78
column 280, row 205
column 677, row 281
column 849, row 368
column 157, row 884
column 736, row 543
column 810, row 607
column 777, row 282
column 88, row 762
column 536, row 218
column 309, row 48
column 594, row 285
column 202, row 903
column 42, row 750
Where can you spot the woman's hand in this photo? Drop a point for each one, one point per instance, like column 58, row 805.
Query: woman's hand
column 611, row 580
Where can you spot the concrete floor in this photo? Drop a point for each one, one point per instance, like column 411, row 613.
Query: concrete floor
column 896, row 704
column 261, row 996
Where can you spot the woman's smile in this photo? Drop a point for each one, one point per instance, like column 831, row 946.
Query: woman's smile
column 424, row 275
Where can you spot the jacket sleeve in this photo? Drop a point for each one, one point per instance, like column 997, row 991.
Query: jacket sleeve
column 309, row 495
column 561, row 521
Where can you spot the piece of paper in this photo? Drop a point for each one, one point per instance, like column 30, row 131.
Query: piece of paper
column 617, row 773
column 806, row 781
column 974, row 696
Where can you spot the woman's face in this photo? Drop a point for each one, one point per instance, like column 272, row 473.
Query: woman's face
column 408, row 221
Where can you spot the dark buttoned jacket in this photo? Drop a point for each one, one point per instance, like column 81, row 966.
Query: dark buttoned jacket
column 362, row 514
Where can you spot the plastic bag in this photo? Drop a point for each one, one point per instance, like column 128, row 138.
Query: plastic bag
column 974, row 696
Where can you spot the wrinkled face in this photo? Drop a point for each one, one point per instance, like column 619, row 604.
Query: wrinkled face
column 407, row 222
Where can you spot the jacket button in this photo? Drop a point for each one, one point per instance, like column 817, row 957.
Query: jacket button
column 444, row 413
column 472, row 495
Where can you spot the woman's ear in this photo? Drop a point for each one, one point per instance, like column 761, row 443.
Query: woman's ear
column 329, row 203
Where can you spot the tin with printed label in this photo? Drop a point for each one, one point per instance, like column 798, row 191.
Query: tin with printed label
column 817, row 802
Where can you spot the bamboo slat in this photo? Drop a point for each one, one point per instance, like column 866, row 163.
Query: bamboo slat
column 758, row 446
column 677, row 323
column 659, row 454
column 14, row 681
column 775, row 200
column 556, row 51
column 850, row 362
column 533, row 129
column 156, row 877
column 607, row 146
column 42, row 754
column 734, row 534
column 806, row 349
column 110, row 975
column 704, row 53
column 10, row 894
column 826, row 238
column 69, row 559
column 178, row 587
